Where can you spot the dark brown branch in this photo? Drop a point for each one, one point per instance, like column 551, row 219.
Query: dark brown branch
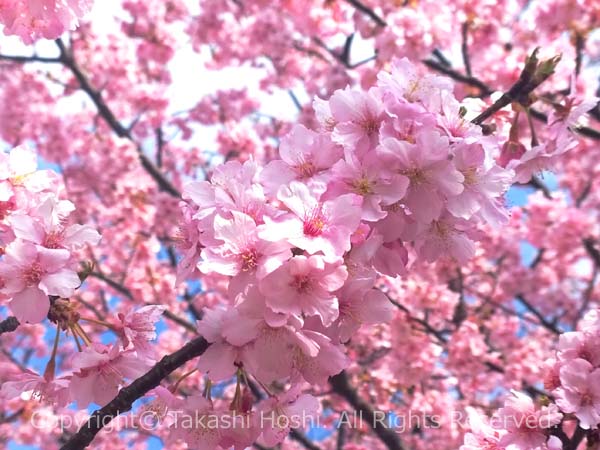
column 127, row 293
column 485, row 90
column 9, row 325
column 302, row 439
column 160, row 144
column 538, row 258
column 33, row 58
column 590, row 247
column 576, row 439
column 441, row 57
column 124, row 400
column 465, row 49
column 295, row 100
column 341, row 386
column 517, row 92
column 368, row 11
column 343, row 57
column 586, row 191
column 536, row 183
column 105, row 112
column 579, row 47
column 550, row 326
column 341, row 437
column 427, row 328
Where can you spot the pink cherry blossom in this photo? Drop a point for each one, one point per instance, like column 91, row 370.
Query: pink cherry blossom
column 50, row 390
column 243, row 253
column 100, row 370
column 35, row 19
column 313, row 225
column 305, row 155
column 580, row 392
column 357, row 116
column 291, row 410
column 138, row 328
column 431, row 175
column 524, row 424
column 378, row 187
column 30, row 274
column 305, row 286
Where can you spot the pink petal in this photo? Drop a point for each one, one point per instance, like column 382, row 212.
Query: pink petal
column 30, row 305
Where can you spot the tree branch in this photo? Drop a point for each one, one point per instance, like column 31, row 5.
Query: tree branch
column 341, row 386
column 485, row 90
column 368, row 11
column 32, row 58
column 550, row 326
column 517, row 92
column 105, row 112
column 9, row 325
column 465, row 49
column 127, row 293
column 124, row 400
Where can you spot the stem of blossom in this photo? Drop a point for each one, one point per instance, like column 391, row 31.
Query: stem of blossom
column 576, row 439
column 51, row 366
column 98, row 322
column 236, row 403
column 183, row 377
column 265, row 388
column 534, row 139
column 86, row 339
column 513, row 134
column 207, row 390
column 72, row 328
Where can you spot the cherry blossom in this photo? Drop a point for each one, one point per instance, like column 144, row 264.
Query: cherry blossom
column 307, row 209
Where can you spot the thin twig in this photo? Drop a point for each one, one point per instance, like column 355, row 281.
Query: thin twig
column 368, row 11
column 543, row 321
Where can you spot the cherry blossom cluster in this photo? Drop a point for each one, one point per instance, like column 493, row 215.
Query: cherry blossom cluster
column 40, row 247
column 572, row 380
column 35, row 19
column 40, row 270
column 394, row 176
column 97, row 371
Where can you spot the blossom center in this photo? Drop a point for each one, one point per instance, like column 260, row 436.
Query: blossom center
column 362, row 186
column 370, row 126
column 314, row 223
column 415, row 175
column 305, row 169
column 53, row 240
column 33, row 274
column 302, row 284
column 441, row 229
column 470, row 175
column 249, row 260
column 587, row 399
column 330, row 124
